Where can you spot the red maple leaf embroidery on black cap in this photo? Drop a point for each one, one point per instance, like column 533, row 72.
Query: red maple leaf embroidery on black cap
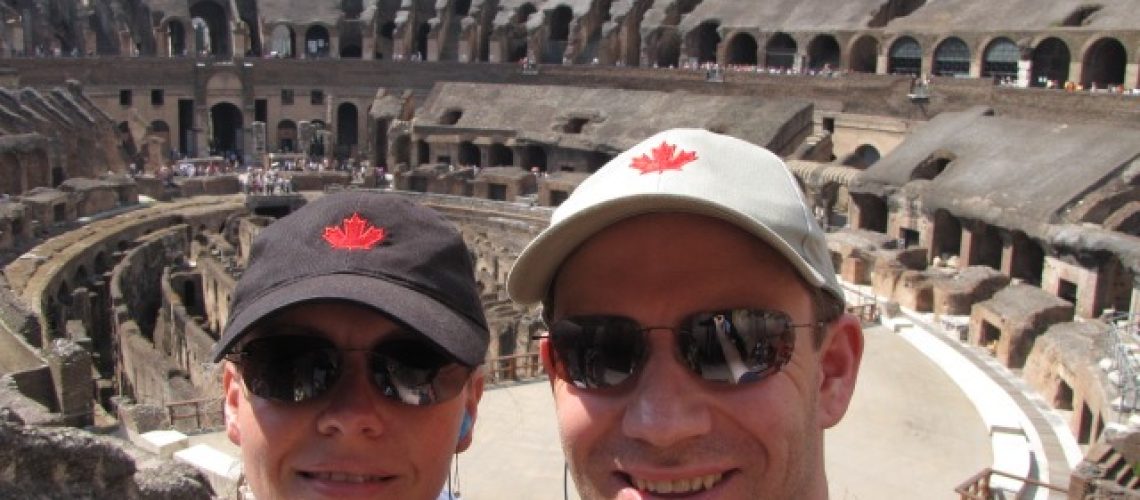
column 355, row 233
column 663, row 159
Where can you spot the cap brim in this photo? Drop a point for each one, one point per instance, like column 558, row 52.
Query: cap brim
column 531, row 276
column 454, row 333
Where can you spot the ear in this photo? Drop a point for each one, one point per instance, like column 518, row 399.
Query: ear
column 471, row 406
column 232, row 391
column 839, row 358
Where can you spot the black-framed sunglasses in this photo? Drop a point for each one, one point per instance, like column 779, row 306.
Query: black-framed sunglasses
column 731, row 346
column 299, row 368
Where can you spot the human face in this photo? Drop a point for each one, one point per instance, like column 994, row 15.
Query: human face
column 669, row 431
column 351, row 442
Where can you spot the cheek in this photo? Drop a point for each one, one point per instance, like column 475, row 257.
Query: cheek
column 583, row 420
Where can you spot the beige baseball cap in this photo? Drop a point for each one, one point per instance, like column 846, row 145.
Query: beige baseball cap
column 682, row 170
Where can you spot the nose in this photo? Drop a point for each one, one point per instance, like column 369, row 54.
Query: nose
column 351, row 408
column 668, row 405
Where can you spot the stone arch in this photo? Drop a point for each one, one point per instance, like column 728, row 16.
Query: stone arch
column 559, row 23
column 500, row 156
column 863, row 56
column 422, row 34
column 469, row 155
column 402, row 150
column 1103, row 63
column 905, row 57
column 1000, row 58
column 283, row 42
column 780, row 51
column 461, row 7
column 226, row 124
column 823, row 50
column 176, row 41
column 534, row 156
column 161, row 130
column 952, row 57
column 864, row 156
column 317, row 41
column 668, row 49
column 1050, row 62
column 212, row 34
column 102, row 264
column 347, row 129
column 287, row 136
column 741, row 49
column 423, row 152
column 350, row 41
column 706, row 39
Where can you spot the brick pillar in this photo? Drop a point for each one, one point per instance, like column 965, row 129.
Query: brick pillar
column 70, row 367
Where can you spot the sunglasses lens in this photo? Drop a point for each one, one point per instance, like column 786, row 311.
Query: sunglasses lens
column 415, row 373
column 289, row 368
column 737, row 346
column 598, row 351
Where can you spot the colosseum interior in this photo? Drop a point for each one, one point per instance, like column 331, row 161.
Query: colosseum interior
column 977, row 166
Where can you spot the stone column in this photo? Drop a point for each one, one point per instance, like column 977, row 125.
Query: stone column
column 70, row 367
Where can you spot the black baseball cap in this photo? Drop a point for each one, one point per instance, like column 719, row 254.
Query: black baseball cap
column 378, row 250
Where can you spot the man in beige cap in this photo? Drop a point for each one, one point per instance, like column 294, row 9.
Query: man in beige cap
column 698, row 345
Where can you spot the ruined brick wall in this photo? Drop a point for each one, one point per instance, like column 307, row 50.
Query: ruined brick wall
column 184, row 342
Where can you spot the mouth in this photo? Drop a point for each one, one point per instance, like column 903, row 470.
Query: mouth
column 343, row 477
column 677, row 487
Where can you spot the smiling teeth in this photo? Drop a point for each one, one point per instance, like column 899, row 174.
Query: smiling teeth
column 344, row 477
column 678, row 485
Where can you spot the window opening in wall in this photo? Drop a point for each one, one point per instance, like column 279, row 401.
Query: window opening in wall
column 125, row 97
column 1067, row 290
column 829, row 124
column 497, row 192
column 932, row 166
column 317, row 97
column 905, row 57
column 1064, row 398
column 260, row 110
column 156, row 97
column 451, row 117
column 909, row 237
column 990, row 337
column 286, row 97
column 1081, row 16
column 574, row 125
column 59, row 213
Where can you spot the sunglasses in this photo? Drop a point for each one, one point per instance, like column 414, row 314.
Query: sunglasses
column 732, row 346
column 299, row 368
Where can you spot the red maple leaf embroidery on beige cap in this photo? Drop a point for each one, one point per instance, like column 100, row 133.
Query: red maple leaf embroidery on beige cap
column 355, row 233
column 663, row 159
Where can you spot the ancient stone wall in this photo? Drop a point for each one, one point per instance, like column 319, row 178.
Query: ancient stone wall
column 184, row 342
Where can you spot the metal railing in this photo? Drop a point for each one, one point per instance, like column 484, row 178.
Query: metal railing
column 977, row 487
column 1124, row 332
column 514, row 368
column 864, row 306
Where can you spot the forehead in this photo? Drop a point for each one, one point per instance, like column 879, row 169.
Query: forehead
column 683, row 260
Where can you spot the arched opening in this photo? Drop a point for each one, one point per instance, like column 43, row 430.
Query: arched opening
column 350, row 41
column 559, row 27
column 707, row 40
column 1050, row 63
column 281, row 42
column 865, row 55
column 422, row 40
column 932, row 166
column 952, row 58
column 423, row 152
column 523, row 13
column 780, row 52
column 287, row 136
column 176, row 38
column 741, row 50
column 1000, row 59
column 316, row 41
column 226, row 128
column 1103, row 64
column 863, row 157
column 352, row 8
column 210, row 23
column 534, row 157
column 905, row 57
column 401, row 151
column 347, row 130
column 451, row 117
column 823, row 53
column 469, row 155
column 161, row 130
column 500, row 156
column 669, row 50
